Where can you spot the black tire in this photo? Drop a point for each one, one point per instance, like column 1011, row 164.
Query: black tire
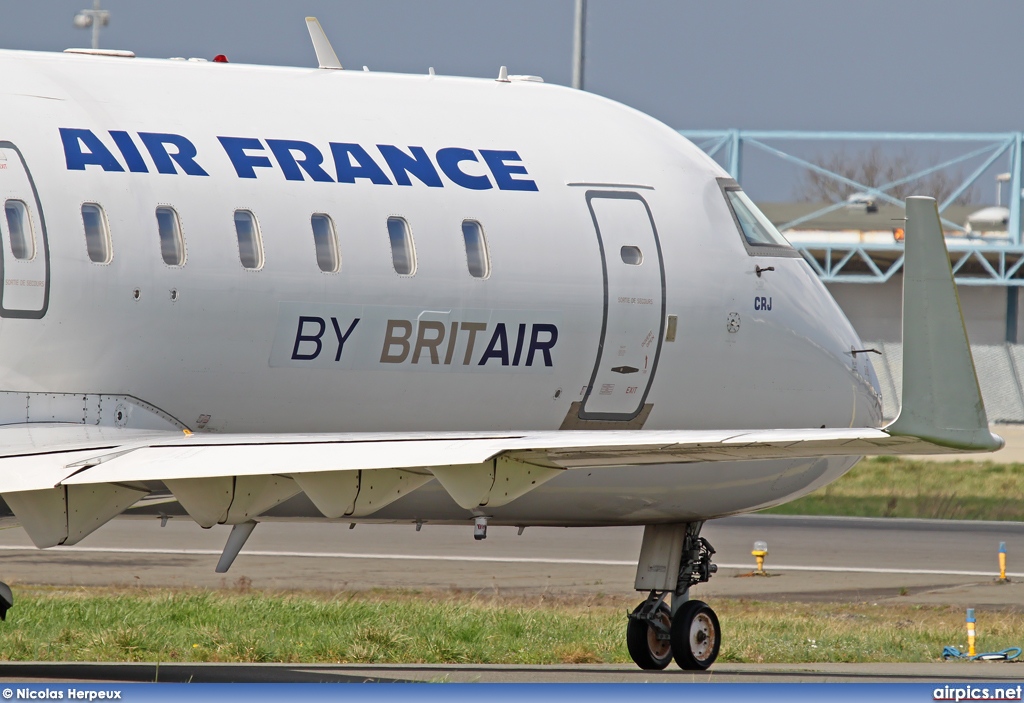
column 696, row 636
column 642, row 641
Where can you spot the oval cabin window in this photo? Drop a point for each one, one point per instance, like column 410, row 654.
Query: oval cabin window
column 19, row 230
column 172, row 246
column 97, row 235
column 631, row 255
column 325, row 239
column 476, row 249
column 250, row 246
column 403, row 254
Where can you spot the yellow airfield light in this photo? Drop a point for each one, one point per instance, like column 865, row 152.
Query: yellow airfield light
column 759, row 552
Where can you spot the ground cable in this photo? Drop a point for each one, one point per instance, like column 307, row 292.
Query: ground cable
column 1008, row 654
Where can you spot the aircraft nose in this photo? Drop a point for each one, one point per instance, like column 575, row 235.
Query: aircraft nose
column 834, row 355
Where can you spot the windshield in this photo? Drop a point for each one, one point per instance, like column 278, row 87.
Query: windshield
column 757, row 229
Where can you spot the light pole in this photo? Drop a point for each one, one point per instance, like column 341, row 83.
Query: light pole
column 579, row 40
column 95, row 18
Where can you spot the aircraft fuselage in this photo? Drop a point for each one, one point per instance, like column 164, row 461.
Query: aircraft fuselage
column 604, row 280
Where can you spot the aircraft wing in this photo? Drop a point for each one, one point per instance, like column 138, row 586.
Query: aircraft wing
column 63, row 481
column 234, row 478
column 178, row 457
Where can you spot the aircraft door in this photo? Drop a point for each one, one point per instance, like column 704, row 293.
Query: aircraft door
column 25, row 275
column 634, row 306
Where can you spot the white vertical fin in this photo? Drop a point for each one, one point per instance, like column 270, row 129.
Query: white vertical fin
column 325, row 55
column 941, row 399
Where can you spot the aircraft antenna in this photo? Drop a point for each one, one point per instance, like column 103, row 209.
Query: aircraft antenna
column 325, row 55
column 95, row 18
column 579, row 40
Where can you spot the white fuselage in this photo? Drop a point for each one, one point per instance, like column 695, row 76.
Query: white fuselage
column 532, row 346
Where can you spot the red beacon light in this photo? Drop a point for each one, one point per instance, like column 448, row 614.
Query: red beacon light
column 220, row 58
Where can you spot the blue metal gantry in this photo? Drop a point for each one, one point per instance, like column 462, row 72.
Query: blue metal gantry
column 975, row 262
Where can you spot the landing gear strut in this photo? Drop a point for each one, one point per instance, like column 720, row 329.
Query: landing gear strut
column 673, row 558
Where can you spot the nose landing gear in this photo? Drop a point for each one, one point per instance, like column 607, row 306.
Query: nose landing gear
column 672, row 559
column 649, row 633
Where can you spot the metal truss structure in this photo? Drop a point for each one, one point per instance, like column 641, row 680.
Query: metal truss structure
column 975, row 261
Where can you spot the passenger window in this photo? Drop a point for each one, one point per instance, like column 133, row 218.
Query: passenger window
column 476, row 249
column 326, row 240
column 403, row 254
column 250, row 247
column 172, row 246
column 19, row 227
column 631, row 255
column 97, row 235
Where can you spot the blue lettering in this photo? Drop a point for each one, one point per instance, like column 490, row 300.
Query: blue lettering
column 245, row 164
column 543, row 347
column 503, row 172
column 761, row 303
column 184, row 153
column 498, row 346
column 300, row 337
column 300, row 160
column 519, row 345
column 310, row 163
column 351, row 162
column 342, row 338
column 97, row 154
column 449, row 160
column 129, row 151
column 417, row 163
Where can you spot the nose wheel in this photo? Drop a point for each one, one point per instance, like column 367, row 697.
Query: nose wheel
column 696, row 636
column 649, row 635
column 654, row 636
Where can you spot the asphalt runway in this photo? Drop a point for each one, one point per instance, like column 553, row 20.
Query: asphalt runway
column 811, row 558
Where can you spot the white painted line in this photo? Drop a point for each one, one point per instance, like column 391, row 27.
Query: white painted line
column 871, row 570
column 324, row 555
column 493, row 560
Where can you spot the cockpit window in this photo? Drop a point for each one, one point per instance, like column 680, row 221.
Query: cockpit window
column 759, row 234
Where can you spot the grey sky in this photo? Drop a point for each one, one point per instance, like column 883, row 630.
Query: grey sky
column 780, row 64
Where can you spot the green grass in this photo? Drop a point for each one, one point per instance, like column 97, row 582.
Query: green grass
column 892, row 487
column 102, row 624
